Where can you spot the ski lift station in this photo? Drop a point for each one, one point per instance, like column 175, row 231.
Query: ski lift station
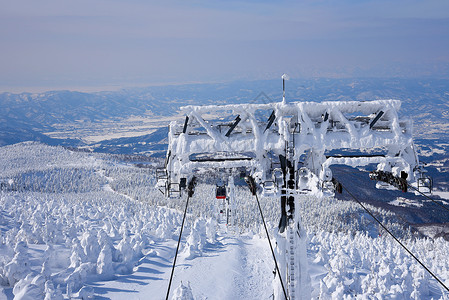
column 285, row 149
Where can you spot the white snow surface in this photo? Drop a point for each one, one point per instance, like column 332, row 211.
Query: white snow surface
column 444, row 195
column 401, row 201
column 85, row 226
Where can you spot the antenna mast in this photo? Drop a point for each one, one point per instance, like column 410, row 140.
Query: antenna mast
column 284, row 78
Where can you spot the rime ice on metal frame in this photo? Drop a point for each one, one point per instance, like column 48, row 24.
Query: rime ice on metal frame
column 253, row 136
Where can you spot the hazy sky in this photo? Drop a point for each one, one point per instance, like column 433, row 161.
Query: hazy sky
column 107, row 43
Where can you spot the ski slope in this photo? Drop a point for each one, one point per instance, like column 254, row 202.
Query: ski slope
column 89, row 226
column 232, row 268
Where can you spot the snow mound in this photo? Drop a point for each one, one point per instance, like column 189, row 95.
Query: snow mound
column 183, row 292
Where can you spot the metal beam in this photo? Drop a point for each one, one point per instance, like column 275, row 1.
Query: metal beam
column 237, row 120
column 379, row 115
column 184, row 130
column 270, row 121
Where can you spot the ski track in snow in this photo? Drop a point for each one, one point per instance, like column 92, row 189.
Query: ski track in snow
column 108, row 188
column 236, row 267
column 257, row 266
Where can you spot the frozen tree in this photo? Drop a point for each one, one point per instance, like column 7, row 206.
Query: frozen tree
column 19, row 266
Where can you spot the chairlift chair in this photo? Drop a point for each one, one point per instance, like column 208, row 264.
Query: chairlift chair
column 220, row 192
column 269, row 188
column 425, row 184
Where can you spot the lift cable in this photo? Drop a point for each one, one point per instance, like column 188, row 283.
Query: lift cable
column 427, row 197
column 396, row 239
column 252, row 186
column 190, row 194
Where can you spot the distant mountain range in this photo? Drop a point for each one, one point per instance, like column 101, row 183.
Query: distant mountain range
column 29, row 116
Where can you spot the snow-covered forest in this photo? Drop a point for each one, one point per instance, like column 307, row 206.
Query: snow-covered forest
column 84, row 225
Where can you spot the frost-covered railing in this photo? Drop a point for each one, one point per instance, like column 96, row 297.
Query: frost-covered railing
column 251, row 135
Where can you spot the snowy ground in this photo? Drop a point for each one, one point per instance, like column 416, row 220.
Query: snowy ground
column 88, row 226
column 444, row 195
column 232, row 268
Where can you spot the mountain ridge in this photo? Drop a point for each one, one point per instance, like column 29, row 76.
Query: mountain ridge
column 31, row 116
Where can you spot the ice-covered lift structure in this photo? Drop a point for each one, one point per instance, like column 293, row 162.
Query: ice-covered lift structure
column 288, row 149
column 262, row 137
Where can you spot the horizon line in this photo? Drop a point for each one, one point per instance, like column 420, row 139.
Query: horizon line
column 119, row 87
